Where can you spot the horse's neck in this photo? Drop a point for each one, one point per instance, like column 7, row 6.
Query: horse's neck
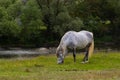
column 62, row 46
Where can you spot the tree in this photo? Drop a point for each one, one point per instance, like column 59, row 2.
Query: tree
column 31, row 23
column 57, row 18
column 9, row 29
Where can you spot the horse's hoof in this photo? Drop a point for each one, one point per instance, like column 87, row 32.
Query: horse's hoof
column 83, row 62
column 60, row 62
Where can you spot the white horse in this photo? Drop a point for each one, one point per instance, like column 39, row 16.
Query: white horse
column 73, row 40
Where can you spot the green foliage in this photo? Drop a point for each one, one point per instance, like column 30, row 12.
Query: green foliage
column 99, row 16
column 3, row 14
column 45, row 21
column 14, row 10
column 65, row 22
column 21, row 21
column 31, row 23
column 9, row 28
column 5, row 3
column 57, row 18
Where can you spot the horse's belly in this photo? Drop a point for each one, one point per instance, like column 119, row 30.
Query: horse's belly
column 72, row 45
column 81, row 46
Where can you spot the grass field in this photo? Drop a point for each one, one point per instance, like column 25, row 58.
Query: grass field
column 102, row 66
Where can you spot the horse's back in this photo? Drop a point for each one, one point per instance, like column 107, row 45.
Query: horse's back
column 74, row 39
column 87, row 34
column 69, row 35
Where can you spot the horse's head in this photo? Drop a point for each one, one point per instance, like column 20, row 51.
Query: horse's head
column 60, row 56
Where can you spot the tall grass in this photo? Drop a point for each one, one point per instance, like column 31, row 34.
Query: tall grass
column 102, row 66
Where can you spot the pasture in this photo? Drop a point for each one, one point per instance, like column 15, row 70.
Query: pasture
column 102, row 66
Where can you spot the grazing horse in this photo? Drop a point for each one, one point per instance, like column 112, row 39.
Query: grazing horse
column 72, row 40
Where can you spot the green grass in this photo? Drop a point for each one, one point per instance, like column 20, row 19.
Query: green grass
column 102, row 66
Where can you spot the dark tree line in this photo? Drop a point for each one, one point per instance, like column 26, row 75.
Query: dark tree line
column 43, row 22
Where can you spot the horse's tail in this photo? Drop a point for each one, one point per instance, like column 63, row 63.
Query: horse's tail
column 91, row 49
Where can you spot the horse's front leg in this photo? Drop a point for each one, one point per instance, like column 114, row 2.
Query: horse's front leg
column 74, row 54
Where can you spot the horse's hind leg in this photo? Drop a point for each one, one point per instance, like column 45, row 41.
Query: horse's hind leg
column 74, row 54
column 86, row 57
